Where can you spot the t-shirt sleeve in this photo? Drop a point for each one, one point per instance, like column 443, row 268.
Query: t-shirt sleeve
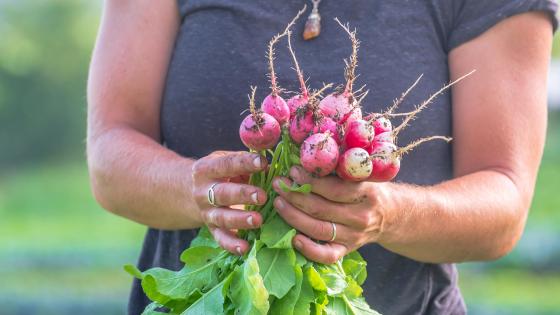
column 474, row 17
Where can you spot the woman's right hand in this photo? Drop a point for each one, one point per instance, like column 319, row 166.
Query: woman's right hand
column 223, row 169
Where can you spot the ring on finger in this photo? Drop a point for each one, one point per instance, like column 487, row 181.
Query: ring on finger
column 212, row 195
column 333, row 232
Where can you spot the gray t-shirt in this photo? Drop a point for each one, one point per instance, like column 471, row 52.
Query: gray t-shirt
column 220, row 51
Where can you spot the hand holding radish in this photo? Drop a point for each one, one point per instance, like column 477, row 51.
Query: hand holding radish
column 221, row 169
column 356, row 208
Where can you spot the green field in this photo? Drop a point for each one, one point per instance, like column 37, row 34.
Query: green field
column 60, row 253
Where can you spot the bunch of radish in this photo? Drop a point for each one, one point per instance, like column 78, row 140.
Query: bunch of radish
column 331, row 132
column 327, row 135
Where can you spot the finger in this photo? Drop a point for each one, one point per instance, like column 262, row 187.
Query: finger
column 229, row 165
column 241, row 179
column 226, row 194
column 226, row 218
column 328, row 253
column 331, row 187
column 229, row 241
column 317, row 229
column 317, row 206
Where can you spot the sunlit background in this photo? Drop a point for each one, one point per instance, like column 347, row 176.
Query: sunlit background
column 60, row 253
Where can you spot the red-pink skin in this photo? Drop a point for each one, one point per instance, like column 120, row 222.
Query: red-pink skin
column 359, row 134
column 354, row 165
column 382, row 124
column 296, row 102
column 319, row 154
column 261, row 138
column 276, row 106
column 385, row 168
column 301, row 127
column 327, row 124
column 384, row 137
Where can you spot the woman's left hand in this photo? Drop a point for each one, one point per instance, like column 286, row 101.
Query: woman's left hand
column 356, row 208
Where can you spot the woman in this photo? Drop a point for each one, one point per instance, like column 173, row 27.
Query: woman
column 168, row 80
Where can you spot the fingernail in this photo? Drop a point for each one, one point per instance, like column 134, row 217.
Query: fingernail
column 257, row 162
column 294, row 173
column 298, row 244
column 255, row 197
column 279, row 203
column 250, row 220
column 238, row 250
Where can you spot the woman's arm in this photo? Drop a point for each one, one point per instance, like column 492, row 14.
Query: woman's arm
column 499, row 123
column 133, row 175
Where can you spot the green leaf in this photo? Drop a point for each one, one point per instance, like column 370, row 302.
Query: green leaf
column 304, row 189
column 151, row 309
column 286, row 305
column 320, row 303
column 353, row 290
column 359, row 306
column 196, row 257
column 337, row 306
column 306, row 297
column 276, row 233
column 300, row 259
column 133, row 271
column 315, row 278
column 277, row 270
column 247, row 290
column 212, row 302
column 173, row 288
column 355, row 266
column 334, row 280
column 204, row 238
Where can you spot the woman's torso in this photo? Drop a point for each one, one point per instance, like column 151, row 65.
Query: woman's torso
column 220, row 52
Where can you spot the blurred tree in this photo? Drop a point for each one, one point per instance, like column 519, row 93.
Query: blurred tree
column 44, row 54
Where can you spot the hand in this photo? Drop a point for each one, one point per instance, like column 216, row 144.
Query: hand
column 357, row 209
column 228, row 169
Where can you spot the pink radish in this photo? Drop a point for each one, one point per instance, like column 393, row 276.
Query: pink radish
column 382, row 124
column 296, row 102
column 259, row 131
column 383, row 137
column 327, row 124
column 343, row 105
column 354, row 165
column 301, row 126
column 276, row 106
column 386, row 162
column 319, row 154
column 359, row 134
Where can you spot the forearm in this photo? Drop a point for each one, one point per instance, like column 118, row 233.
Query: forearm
column 135, row 177
column 478, row 216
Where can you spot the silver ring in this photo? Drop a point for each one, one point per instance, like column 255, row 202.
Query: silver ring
column 333, row 232
column 212, row 195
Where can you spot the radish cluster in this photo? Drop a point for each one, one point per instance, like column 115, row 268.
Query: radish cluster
column 332, row 134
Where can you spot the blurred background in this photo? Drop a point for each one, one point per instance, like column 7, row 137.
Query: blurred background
column 60, row 253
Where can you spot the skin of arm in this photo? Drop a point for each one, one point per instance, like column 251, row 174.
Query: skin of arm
column 481, row 213
column 131, row 173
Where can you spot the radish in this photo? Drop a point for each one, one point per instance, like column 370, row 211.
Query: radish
column 327, row 124
column 319, row 154
column 274, row 104
column 302, row 125
column 259, row 131
column 382, row 124
column 383, row 137
column 386, row 162
column 342, row 104
column 359, row 134
column 301, row 99
column 354, row 165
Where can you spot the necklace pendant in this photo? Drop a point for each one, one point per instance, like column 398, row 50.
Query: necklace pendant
column 312, row 26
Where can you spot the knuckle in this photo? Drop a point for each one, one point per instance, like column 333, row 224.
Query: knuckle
column 321, row 231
